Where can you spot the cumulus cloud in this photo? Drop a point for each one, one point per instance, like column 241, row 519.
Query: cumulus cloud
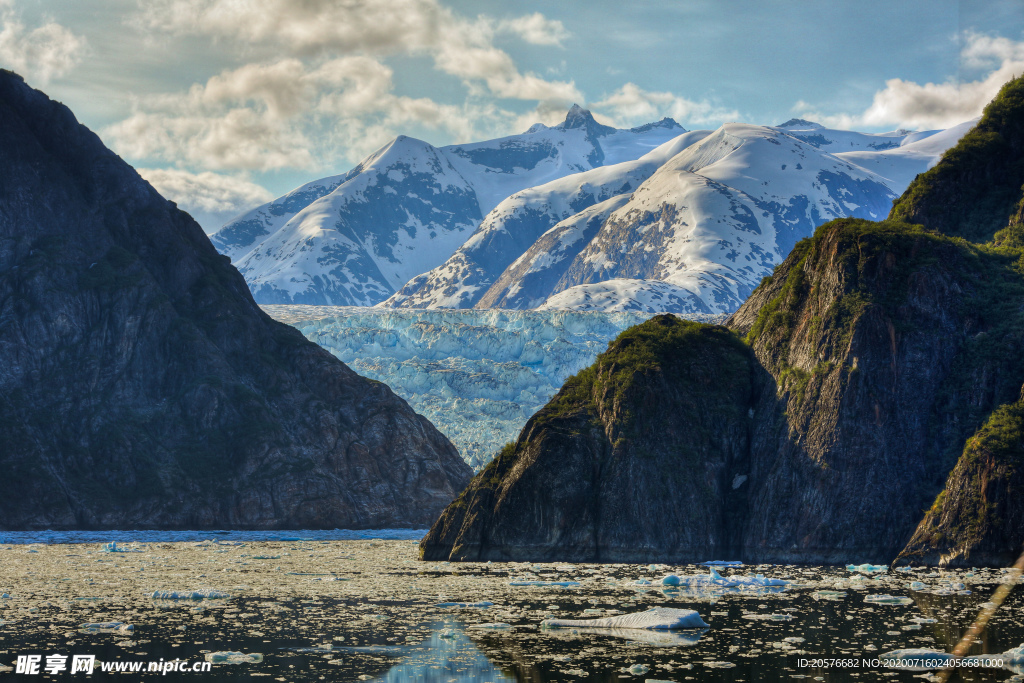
column 263, row 117
column 43, row 52
column 535, row 29
column 907, row 104
column 461, row 47
column 211, row 198
column 632, row 105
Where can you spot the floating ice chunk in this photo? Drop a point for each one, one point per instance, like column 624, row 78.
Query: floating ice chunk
column 768, row 617
column 657, row 618
column 867, row 568
column 234, row 657
column 713, row 578
column 1014, row 656
column 829, row 595
column 917, row 586
column 670, row 580
column 685, row 638
column 112, row 548
column 204, row 594
column 642, row 582
column 719, row 665
column 565, row 584
column 494, row 626
column 722, row 563
column 464, row 604
column 638, row 669
column 108, row 627
column 888, row 599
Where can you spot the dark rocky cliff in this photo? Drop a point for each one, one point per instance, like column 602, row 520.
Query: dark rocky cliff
column 629, row 462
column 140, row 385
column 978, row 518
column 876, row 351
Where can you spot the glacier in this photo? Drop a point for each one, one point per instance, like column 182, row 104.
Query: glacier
column 478, row 375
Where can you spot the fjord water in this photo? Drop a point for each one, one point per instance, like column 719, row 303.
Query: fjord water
column 349, row 606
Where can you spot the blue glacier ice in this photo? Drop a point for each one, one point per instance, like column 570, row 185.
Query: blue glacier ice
column 478, row 375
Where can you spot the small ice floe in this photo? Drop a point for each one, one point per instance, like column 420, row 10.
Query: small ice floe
column 204, row 594
column 867, row 568
column 888, row 599
column 234, row 657
column 768, row 617
column 464, row 604
column 670, row 580
column 722, row 563
column 108, row 627
column 829, row 595
column 918, row 585
column 656, row 618
column 637, row 669
column 713, row 578
column 494, row 626
column 564, row 584
column 112, row 548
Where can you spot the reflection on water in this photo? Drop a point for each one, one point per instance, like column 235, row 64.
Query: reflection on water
column 448, row 656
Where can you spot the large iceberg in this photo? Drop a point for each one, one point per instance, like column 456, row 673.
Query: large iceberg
column 478, row 375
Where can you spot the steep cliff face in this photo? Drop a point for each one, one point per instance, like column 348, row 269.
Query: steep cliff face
column 876, row 351
column 887, row 345
column 978, row 519
column 140, row 385
column 629, row 462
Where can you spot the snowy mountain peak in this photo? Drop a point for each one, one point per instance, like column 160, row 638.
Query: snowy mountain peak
column 800, row 124
column 667, row 123
column 578, row 117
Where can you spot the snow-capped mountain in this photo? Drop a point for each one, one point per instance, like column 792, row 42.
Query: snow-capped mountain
column 517, row 222
column 696, row 236
column 355, row 239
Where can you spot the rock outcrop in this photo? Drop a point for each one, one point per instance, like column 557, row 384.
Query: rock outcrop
column 141, row 386
column 871, row 355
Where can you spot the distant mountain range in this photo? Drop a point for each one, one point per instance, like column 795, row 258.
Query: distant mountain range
column 578, row 216
column 356, row 239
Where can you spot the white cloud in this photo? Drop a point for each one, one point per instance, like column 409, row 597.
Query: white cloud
column 536, row 29
column 907, row 104
column 460, row 47
column 44, row 52
column 212, row 198
column 632, row 105
column 263, row 117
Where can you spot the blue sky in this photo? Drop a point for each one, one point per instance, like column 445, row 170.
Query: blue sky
column 223, row 104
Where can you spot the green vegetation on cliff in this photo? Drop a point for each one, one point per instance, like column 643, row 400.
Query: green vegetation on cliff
column 978, row 518
column 970, row 192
